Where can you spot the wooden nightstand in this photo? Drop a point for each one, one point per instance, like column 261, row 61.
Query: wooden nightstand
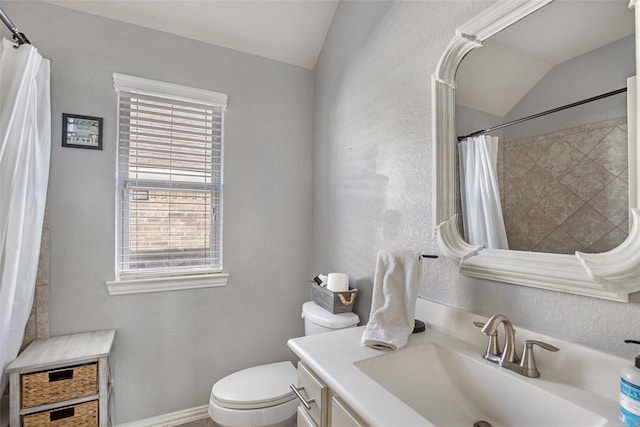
column 64, row 380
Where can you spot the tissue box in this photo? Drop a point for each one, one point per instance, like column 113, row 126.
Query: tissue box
column 333, row 302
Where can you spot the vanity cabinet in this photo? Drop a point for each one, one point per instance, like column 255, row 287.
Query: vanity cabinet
column 64, row 380
column 320, row 407
column 313, row 395
column 341, row 416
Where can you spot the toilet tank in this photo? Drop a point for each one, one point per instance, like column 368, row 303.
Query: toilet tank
column 318, row 320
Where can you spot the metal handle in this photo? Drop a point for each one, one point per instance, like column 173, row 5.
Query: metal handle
column 528, row 364
column 492, row 353
column 305, row 402
column 529, row 344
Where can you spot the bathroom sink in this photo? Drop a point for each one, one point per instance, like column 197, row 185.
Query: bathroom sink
column 458, row 388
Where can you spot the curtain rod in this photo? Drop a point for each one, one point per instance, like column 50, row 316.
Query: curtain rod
column 544, row 113
column 18, row 37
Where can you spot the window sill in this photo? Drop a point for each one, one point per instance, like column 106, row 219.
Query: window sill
column 166, row 283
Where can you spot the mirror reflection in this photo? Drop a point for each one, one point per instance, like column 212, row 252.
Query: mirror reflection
column 557, row 183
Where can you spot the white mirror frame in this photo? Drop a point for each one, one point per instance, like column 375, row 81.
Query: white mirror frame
column 610, row 275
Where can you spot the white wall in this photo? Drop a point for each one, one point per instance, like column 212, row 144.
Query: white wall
column 373, row 170
column 172, row 346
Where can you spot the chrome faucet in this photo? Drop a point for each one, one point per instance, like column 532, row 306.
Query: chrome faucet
column 509, row 354
column 492, row 353
column 508, row 358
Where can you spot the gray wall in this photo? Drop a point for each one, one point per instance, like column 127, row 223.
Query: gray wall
column 596, row 72
column 372, row 189
column 373, row 170
column 172, row 346
column 470, row 120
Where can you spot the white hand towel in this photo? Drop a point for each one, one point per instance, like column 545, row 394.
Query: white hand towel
column 395, row 289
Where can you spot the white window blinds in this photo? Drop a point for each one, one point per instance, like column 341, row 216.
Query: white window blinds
column 169, row 178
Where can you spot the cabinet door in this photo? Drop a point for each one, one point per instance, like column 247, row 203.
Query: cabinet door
column 303, row 418
column 341, row 416
column 315, row 392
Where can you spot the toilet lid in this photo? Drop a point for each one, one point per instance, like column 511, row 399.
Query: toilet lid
column 257, row 387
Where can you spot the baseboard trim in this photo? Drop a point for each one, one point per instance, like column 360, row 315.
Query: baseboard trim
column 171, row 419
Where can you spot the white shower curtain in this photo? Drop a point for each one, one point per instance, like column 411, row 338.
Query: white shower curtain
column 481, row 209
column 25, row 143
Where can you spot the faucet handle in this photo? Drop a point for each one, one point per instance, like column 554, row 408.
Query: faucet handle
column 528, row 363
column 493, row 347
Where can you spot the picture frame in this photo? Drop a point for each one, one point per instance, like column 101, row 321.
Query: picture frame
column 80, row 131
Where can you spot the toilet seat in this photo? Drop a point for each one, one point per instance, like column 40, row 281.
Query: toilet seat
column 257, row 387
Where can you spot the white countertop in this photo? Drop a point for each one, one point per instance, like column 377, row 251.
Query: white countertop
column 584, row 376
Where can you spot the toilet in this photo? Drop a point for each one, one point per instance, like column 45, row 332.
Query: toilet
column 260, row 396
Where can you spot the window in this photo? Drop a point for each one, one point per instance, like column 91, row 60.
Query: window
column 169, row 180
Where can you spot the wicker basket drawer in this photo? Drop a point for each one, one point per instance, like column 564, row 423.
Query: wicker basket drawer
column 54, row 386
column 80, row 415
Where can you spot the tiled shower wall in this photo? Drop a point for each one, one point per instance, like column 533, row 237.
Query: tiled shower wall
column 38, row 323
column 566, row 191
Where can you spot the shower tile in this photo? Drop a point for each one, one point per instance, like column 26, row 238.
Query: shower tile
column 514, row 149
column 620, row 121
column 536, row 225
column 611, row 152
column 536, row 183
column 584, row 181
column 42, row 277
column 587, row 179
column 585, row 141
column 624, row 176
column 611, row 241
column 42, row 312
column 517, row 164
column 563, row 133
column 587, row 226
column 518, row 241
column 536, row 149
column 506, row 188
column 624, row 226
column 559, row 242
column 560, row 203
column 613, row 202
column 30, row 334
column 517, row 204
column 560, row 159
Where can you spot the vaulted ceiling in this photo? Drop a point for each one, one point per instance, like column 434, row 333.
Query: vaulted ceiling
column 284, row 30
column 495, row 77
column 293, row 31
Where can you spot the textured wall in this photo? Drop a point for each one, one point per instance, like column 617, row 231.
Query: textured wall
column 373, row 170
column 172, row 346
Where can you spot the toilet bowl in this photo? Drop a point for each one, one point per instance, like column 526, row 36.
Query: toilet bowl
column 260, row 396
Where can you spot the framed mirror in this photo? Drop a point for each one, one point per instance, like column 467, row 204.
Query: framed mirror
column 612, row 274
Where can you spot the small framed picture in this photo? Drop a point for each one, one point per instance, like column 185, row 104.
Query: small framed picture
column 81, row 131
